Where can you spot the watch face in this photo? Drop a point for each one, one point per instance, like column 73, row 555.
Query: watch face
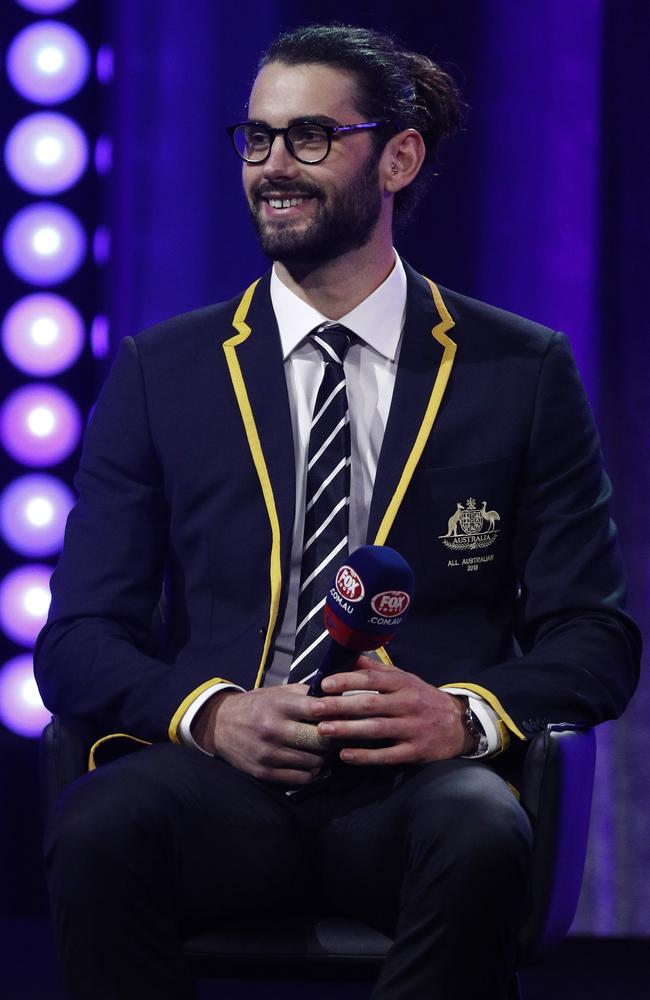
column 478, row 731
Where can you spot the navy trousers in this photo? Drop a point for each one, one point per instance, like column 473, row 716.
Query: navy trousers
column 167, row 842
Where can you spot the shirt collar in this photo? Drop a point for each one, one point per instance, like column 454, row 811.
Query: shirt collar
column 377, row 321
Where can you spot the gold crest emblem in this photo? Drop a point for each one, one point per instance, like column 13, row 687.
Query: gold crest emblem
column 466, row 528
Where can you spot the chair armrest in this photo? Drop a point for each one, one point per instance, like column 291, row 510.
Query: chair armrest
column 63, row 757
column 556, row 792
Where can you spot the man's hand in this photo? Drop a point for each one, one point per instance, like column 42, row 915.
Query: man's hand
column 418, row 722
column 269, row 732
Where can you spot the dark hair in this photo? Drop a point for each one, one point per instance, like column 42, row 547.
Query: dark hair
column 405, row 87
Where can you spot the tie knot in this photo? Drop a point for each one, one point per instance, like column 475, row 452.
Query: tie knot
column 332, row 340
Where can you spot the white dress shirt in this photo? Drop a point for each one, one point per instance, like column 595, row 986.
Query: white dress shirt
column 370, row 368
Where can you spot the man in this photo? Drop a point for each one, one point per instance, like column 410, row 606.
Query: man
column 469, row 448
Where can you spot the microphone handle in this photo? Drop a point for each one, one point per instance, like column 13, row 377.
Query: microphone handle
column 337, row 659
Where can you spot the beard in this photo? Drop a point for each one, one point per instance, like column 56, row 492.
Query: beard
column 344, row 221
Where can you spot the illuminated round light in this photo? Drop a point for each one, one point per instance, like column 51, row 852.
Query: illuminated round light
column 46, row 6
column 105, row 64
column 44, row 331
column 21, row 708
column 48, row 62
column 100, row 336
column 42, row 334
column 44, row 243
column 24, row 602
column 102, row 245
column 39, row 425
column 103, row 154
column 46, row 153
column 50, row 59
column 41, row 421
column 33, row 513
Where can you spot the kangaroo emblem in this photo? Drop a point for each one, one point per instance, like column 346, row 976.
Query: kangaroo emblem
column 471, row 528
column 452, row 524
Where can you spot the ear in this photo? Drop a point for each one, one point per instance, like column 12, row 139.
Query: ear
column 401, row 160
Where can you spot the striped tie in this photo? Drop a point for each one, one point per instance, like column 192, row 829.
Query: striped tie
column 325, row 539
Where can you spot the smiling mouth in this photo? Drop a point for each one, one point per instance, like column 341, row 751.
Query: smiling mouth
column 281, row 203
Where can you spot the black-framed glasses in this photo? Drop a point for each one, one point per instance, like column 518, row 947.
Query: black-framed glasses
column 307, row 141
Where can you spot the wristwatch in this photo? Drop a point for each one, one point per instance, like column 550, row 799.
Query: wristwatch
column 474, row 728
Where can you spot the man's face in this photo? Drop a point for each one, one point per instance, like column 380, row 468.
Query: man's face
column 340, row 199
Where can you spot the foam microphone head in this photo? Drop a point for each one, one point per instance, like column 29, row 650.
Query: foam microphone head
column 369, row 598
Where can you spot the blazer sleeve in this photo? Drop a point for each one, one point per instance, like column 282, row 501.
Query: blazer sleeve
column 581, row 652
column 90, row 659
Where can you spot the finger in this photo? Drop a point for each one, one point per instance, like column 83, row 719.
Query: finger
column 360, row 705
column 287, row 757
column 287, row 776
column 367, row 679
column 366, row 662
column 400, row 753
column 362, row 729
column 305, row 737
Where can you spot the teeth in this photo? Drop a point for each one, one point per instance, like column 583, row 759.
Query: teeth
column 285, row 202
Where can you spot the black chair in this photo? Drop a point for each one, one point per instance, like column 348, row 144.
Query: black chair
column 556, row 791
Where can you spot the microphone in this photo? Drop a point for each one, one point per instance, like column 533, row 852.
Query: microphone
column 367, row 601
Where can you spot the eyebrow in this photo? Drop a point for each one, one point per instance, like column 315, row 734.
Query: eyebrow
column 316, row 119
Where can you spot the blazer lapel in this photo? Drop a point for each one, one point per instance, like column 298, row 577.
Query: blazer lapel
column 254, row 358
column 425, row 363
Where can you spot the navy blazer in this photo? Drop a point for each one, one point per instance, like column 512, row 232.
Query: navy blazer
column 489, row 483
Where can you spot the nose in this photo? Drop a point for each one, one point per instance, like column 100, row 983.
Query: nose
column 280, row 162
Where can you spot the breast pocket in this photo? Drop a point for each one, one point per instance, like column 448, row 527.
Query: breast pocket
column 464, row 520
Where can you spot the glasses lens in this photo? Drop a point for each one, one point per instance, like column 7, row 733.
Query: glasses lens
column 310, row 142
column 252, row 142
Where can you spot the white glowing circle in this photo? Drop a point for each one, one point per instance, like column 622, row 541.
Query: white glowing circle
column 46, row 241
column 48, row 150
column 39, row 512
column 41, row 421
column 44, row 331
column 33, row 512
column 29, row 693
column 50, row 59
column 36, row 601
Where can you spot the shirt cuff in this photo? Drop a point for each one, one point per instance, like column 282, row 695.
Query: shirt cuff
column 184, row 726
column 487, row 717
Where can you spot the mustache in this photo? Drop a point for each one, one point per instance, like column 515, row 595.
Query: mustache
column 265, row 188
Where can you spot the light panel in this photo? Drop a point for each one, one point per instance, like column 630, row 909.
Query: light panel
column 42, row 334
column 48, row 62
column 44, row 243
column 46, row 153
column 39, row 425
column 33, row 513
column 21, row 707
column 24, row 602
column 46, row 6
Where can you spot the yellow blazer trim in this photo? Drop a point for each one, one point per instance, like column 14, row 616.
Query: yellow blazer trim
column 186, row 702
column 275, row 571
column 439, row 332
column 112, row 736
column 493, row 702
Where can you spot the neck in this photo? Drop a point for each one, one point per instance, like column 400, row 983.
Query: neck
column 334, row 288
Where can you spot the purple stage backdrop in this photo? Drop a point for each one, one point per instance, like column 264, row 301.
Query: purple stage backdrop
column 541, row 206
